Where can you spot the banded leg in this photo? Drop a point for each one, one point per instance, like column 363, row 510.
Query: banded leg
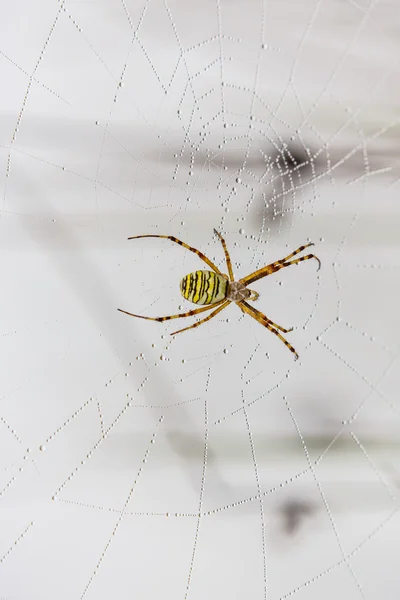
column 289, row 256
column 265, row 318
column 259, row 318
column 202, row 256
column 298, row 260
column 227, row 257
column 215, row 312
column 190, row 313
column 276, row 266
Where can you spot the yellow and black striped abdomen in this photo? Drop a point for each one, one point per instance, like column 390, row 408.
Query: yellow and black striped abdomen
column 204, row 287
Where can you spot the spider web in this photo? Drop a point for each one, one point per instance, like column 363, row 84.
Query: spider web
column 210, row 464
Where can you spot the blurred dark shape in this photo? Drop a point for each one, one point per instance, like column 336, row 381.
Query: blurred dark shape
column 294, row 512
column 290, row 167
column 281, row 171
column 290, row 160
column 276, row 178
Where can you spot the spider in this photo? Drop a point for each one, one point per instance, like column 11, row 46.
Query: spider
column 215, row 289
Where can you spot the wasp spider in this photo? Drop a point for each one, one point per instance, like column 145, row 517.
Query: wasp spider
column 215, row 289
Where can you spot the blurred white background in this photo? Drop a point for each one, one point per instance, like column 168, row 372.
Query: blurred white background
column 209, row 465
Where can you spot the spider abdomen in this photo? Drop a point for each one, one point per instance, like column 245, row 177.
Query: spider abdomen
column 204, row 287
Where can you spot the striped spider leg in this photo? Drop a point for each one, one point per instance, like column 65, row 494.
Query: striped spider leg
column 270, row 325
column 279, row 264
column 215, row 269
column 215, row 290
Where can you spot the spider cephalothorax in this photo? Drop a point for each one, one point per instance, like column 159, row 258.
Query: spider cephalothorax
column 237, row 292
column 214, row 289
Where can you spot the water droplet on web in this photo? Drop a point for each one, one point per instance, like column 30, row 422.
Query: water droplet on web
column 238, row 180
column 42, row 448
column 225, row 350
column 241, row 231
